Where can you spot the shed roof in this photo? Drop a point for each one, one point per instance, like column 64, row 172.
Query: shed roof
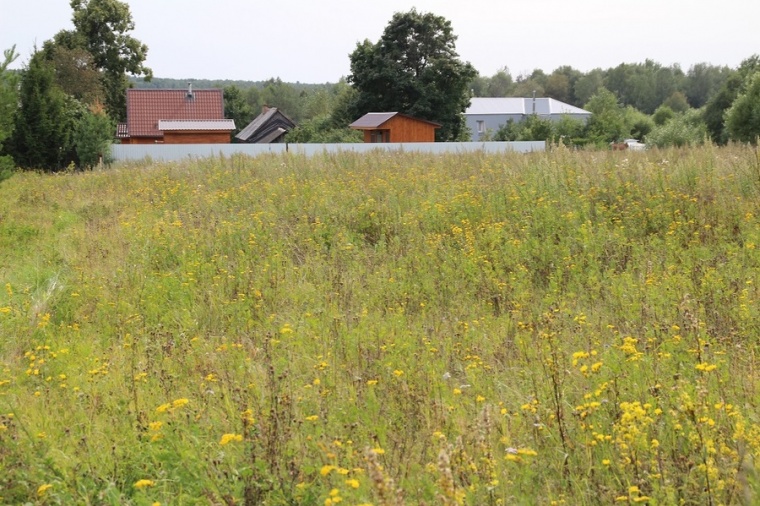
column 188, row 124
column 258, row 130
column 373, row 120
column 519, row 105
column 145, row 107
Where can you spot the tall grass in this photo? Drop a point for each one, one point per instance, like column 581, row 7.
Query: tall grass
column 556, row 328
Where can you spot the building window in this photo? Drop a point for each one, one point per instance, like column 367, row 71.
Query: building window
column 380, row 136
column 481, row 127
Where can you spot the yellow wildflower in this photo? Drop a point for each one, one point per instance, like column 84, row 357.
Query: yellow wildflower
column 229, row 438
column 144, row 483
column 43, row 488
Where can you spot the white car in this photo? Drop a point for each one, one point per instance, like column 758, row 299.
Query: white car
column 635, row 145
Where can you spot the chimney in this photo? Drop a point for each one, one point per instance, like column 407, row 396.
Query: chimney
column 190, row 95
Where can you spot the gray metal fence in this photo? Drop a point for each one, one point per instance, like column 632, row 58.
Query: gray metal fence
column 177, row 152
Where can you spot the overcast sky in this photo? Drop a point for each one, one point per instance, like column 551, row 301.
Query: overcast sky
column 309, row 41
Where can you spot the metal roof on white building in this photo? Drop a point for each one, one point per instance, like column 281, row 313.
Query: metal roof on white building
column 518, row 105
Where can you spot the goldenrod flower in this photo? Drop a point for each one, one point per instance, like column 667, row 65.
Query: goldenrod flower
column 179, row 403
column 229, row 438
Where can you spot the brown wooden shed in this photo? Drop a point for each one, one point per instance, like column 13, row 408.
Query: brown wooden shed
column 395, row 127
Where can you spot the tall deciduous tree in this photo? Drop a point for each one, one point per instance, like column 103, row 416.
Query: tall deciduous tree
column 608, row 122
column 743, row 118
column 414, row 69
column 715, row 110
column 102, row 27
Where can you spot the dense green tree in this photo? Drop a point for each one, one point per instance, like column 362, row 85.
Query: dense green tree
column 677, row 102
column 500, row 84
column 644, row 86
column 703, row 81
column 587, row 86
column 8, row 106
column 414, row 69
column 662, row 115
column 715, row 110
column 92, row 139
column 42, row 138
column 743, row 117
column 8, row 93
column 638, row 123
column 285, row 97
column 237, row 108
column 321, row 129
column 561, row 84
column 685, row 129
column 102, row 28
column 608, row 120
column 76, row 73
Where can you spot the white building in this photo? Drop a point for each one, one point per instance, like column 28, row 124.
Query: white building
column 487, row 114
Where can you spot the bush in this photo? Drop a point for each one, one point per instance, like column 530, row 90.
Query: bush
column 687, row 129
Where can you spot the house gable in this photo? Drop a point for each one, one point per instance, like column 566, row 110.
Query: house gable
column 147, row 108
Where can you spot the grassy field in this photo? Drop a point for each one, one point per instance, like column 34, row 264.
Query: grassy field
column 386, row 329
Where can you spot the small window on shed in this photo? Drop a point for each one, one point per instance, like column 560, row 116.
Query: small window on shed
column 481, row 126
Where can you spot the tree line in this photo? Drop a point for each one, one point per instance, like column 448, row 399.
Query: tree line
column 61, row 110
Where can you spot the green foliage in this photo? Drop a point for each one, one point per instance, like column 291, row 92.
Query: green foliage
column 703, row 81
column 414, row 69
column 644, row 86
column 743, row 117
column 639, row 124
column 42, row 138
column 237, row 108
column 662, row 115
column 500, row 84
column 285, row 97
column 685, row 129
column 93, row 138
column 566, row 130
column 608, row 122
column 588, row 85
column 8, row 94
column 715, row 111
column 76, row 73
column 102, row 27
column 677, row 102
column 322, row 129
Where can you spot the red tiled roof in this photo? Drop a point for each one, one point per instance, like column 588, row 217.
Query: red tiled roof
column 145, row 107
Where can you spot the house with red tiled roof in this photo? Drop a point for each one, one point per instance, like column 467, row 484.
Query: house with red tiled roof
column 175, row 117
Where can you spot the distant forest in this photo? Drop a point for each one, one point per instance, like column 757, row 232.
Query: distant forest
column 631, row 99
